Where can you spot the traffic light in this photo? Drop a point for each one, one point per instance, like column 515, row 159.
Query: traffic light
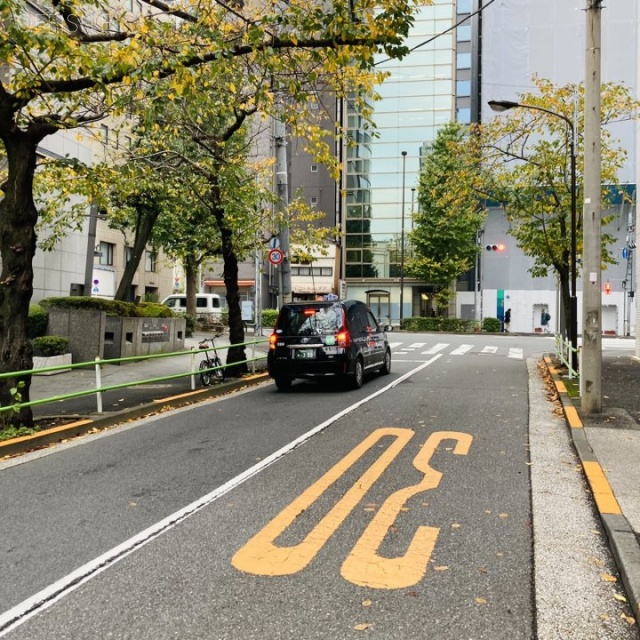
column 607, row 287
column 495, row 247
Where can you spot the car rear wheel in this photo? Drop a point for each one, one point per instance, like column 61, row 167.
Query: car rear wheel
column 283, row 384
column 385, row 369
column 358, row 374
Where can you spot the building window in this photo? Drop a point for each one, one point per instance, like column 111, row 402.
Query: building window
column 464, row 33
column 104, row 134
column 464, row 6
column 150, row 261
column 463, row 61
column 463, row 88
column 313, row 201
column 464, row 116
column 128, row 255
column 314, row 168
column 106, row 253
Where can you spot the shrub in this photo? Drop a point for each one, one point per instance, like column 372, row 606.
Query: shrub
column 115, row 308
column 450, row 325
column 37, row 321
column 492, row 325
column 154, row 310
column 269, row 317
column 50, row 345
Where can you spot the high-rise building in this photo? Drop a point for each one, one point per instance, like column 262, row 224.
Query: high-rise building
column 463, row 54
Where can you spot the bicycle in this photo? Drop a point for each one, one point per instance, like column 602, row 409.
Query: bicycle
column 210, row 362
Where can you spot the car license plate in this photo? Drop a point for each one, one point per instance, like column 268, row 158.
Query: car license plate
column 304, row 354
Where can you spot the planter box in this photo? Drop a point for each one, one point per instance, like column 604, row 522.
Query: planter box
column 41, row 362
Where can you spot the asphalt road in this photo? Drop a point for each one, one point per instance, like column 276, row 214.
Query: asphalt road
column 404, row 510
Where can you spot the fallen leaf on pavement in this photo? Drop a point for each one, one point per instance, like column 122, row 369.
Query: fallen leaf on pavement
column 363, row 626
column 607, row 578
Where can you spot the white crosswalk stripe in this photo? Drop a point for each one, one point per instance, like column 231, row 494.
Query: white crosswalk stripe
column 403, row 349
column 461, row 350
column 491, row 350
column 438, row 347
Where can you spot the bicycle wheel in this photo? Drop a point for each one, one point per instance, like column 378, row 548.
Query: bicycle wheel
column 218, row 374
column 205, row 376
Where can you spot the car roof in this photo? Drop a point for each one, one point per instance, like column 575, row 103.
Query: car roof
column 323, row 303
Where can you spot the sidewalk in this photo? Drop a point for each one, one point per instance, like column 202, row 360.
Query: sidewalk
column 130, row 374
column 608, row 445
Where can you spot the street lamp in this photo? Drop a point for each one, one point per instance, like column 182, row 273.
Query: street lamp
column 404, row 163
column 503, row 105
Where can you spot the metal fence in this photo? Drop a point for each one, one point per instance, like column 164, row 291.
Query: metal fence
column 99, row 363
column 564, row 352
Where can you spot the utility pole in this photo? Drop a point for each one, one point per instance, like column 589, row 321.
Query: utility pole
column 591, row 369
column 282, row 183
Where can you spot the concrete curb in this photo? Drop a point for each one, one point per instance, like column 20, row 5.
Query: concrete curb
column 624, row 544
column 98, row 422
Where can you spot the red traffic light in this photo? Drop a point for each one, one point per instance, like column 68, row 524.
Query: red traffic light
column 496, row 247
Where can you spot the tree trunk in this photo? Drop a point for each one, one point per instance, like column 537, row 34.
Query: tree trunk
column 18, row 217
column 191, row 267
column 146, row 220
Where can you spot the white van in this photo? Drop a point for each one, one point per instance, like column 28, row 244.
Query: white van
column 209, row 304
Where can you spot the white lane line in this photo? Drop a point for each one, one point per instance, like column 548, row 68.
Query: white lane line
column 393, row 345
column 438, row 347
column 416, row 345
column 515, row 352
column 461, row 350
column 490, row 350
column 42, row 600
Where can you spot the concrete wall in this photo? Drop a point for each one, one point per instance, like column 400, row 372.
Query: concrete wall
column 128, row 337
column 85, row 330
column 92, row 334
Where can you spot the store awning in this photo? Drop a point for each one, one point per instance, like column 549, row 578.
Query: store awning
column 220, row 283
column 319, row 288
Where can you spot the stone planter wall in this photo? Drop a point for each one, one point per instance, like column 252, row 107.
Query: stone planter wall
column 42, row 362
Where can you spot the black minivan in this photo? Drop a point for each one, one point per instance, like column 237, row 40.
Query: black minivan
column 324, row 339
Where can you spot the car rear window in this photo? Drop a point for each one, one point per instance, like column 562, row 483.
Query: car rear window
column 310, row 320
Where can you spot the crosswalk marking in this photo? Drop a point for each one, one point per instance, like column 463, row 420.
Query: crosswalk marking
column 461, row 350
column 402, row 349
column 490, row 350
column 438, row 347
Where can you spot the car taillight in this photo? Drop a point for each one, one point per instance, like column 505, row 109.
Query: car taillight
column 343, row 339
column 273, row 338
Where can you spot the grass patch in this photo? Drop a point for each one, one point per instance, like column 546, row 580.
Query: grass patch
column 573, row 387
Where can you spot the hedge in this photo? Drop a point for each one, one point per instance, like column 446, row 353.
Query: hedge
column 37, row 321
column 113, row 308
column 50, row 345
column 269, row 317
column 448, row 325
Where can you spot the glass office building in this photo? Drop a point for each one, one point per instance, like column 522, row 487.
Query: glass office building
column 381, row 171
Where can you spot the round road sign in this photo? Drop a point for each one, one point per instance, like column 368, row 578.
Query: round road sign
column 276, row 256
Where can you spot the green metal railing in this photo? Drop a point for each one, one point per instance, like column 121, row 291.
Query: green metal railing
column 98, row 364
column 564, row 351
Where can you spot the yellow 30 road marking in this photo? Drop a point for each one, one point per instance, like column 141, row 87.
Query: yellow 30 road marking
column 262, row 557
column 364, row 566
